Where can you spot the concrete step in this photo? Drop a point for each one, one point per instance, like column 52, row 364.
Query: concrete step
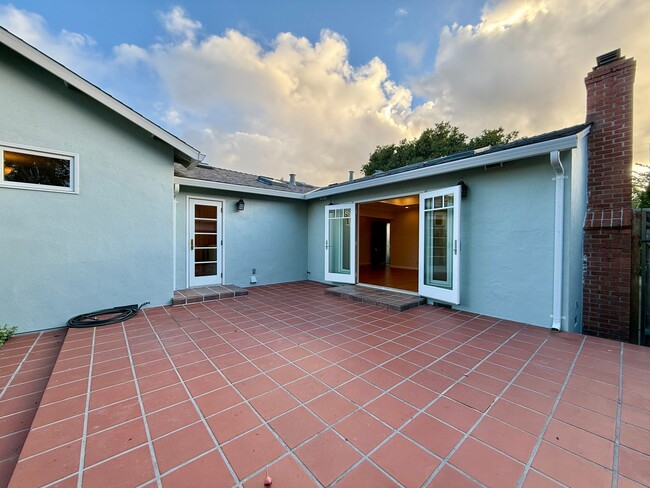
column 391, row 300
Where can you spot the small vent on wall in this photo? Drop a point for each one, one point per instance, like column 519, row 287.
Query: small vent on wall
column 608, row 57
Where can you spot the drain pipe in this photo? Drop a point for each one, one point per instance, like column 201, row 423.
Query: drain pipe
column 558, row 249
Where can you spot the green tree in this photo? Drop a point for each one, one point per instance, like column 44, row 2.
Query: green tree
column 441, row 140
column 641, row 187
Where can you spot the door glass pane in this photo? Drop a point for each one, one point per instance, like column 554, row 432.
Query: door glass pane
column 205, row 255
column 438, row 247
column 205, row 240
column 205, row 269
column 205, row 212
column 339, row 244
column 205, row 226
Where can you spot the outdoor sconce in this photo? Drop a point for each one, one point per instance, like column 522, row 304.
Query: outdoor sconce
column 240, row 205
column 463, row 188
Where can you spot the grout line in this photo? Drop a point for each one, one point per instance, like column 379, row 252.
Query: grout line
column 439, row 395
column 617, row 435
column 549, row 417
column 264, row 422
column 152, row 453
column 239, row 313
column 82, row 451
column 195, row 405
column 20, row 365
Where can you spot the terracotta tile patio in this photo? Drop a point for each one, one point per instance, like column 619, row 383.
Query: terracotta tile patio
column 323, row 391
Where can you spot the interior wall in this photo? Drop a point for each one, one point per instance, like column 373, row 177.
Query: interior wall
column 404, row 238
column 365, row 248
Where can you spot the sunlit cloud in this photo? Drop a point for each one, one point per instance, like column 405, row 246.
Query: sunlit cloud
column 298, row 105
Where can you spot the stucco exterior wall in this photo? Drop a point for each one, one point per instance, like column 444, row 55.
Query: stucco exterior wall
column 108, row 245
column 507, row 236
column 270, row 235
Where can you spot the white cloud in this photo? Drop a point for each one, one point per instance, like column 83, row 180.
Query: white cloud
column 71, row 49
column 178, row 24
column 299, row 106
column 173, row 117
column 401, row 12
column 523, row 65
column 129, row 54
column 296, row 107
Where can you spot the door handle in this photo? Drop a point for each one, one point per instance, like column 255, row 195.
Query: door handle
column 191, row 244
column 455, row 246
column 326, row 245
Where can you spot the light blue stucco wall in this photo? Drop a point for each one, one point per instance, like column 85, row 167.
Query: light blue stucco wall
column 270, row 235
column 109, row 245
column 507, row 237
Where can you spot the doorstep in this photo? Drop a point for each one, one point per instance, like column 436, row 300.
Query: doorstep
column 207, row 293
column 391, row 300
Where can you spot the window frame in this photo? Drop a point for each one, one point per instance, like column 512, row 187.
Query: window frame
column 48, row 153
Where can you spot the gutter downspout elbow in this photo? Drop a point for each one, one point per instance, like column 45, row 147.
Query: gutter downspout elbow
column 558, row 248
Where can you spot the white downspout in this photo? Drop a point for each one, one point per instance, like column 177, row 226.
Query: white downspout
column 558, row 249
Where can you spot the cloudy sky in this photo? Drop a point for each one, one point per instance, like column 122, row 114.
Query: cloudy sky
column 312, row 87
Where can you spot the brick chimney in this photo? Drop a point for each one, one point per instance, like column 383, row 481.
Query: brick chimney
column 608, row 229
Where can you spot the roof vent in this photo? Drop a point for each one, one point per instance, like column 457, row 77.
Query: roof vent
column 265, row 180
column 292, row 179
column 608, row 57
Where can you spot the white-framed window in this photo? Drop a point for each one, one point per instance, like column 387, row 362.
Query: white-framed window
column 31, row 168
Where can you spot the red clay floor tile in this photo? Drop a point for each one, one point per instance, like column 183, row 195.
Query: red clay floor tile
column 331, row 407
column 233, row 422
column 485, row 464
column 182, row 445
column 432, row 434
column 405, row 461
column 207, row 471
column 327, row 456
column 252, row 451
column 363, row 430
column 296, row 426
column 286, row 472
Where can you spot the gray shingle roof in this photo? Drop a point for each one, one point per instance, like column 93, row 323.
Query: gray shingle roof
column 221, row 175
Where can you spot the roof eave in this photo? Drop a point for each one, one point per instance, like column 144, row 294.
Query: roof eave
column 217, row 185
column 521, row 152
column 84, row 86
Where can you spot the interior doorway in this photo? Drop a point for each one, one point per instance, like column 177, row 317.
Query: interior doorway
column 388, row 243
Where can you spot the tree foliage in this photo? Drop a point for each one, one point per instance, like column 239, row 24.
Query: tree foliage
column 441, row 140
column 641, row 187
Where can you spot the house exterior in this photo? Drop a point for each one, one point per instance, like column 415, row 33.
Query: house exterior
column 101, row 234
column 498, row 231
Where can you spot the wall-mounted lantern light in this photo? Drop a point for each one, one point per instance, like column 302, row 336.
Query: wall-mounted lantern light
column 240, row 205
column 463, row 188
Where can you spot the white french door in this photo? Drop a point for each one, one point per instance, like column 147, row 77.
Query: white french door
column 205, row 230
column 439, row 260
column 340, row 225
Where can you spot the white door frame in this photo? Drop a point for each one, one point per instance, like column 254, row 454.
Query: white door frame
column 351, row 274
column 448, row 293
column 216, row 279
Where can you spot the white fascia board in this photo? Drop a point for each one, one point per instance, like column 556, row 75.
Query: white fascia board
column 84, row 86
column 530, row 150
column 216, row 185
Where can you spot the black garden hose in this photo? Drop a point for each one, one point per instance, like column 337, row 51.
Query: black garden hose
column 115, row 315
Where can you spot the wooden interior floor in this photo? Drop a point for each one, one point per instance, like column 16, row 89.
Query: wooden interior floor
column 400, row 279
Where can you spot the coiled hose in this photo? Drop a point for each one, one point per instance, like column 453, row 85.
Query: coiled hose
column 105, row 317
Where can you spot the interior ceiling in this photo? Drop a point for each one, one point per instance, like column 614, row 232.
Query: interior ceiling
column 403, row 201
